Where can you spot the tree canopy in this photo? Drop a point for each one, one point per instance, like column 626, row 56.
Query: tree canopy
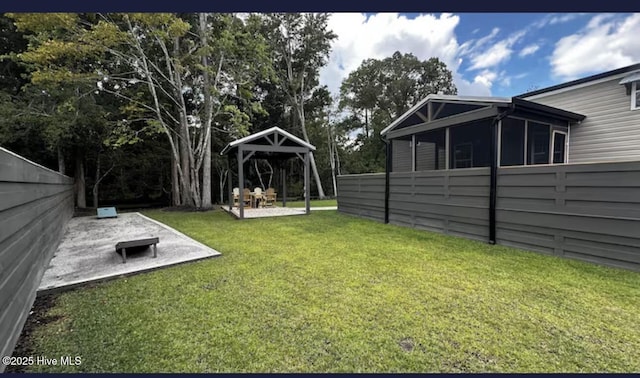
column 109, row 97
column 379, row 91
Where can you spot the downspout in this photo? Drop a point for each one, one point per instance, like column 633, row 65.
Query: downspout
column 493, row 189
column 387, row 171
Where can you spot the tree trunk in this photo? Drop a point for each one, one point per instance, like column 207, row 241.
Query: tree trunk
column 97, row 182
column 312, row 160
column 255, row 163
column 81, row 196
column 175, row 183
column 61, row 166
column 332, row 158
column 223, row 180
column 206, row 164
column 186, row 162
column 366, row 124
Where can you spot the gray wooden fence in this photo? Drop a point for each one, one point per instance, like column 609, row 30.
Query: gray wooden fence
column 585, row 211
column 35, row 205
column 362, row 195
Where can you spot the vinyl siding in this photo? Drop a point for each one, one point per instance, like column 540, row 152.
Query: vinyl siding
column 611, row 130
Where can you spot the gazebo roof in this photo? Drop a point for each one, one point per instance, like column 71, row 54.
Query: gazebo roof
column 270, row 143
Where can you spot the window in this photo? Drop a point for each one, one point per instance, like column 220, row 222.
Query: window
column 512, row 142
column 538, row 138
column 635, row 95
column 430, row 150
column 559, row 147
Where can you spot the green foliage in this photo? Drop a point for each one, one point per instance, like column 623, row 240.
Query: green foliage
column 334, row 293
column 392, row 85
column 380, row 91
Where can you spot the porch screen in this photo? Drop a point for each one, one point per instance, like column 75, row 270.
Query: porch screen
column 401, row 155
column 430, row 150
column 512, row 142
column 470, row 145
column 538, row 143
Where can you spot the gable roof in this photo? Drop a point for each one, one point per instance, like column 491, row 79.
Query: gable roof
column 263, row 135
column 446, row 98
column 490, row 102
column 600, row 76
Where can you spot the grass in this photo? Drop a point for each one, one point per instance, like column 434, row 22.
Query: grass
column 314, row 203
column 334, row 293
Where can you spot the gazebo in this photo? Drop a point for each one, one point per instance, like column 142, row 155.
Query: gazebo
column 271, row 144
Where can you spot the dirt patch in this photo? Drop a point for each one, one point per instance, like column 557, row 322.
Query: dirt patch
column 407, row 344
column 37, row 317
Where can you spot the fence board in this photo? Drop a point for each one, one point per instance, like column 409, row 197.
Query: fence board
column 585, row 211
column 35, row 205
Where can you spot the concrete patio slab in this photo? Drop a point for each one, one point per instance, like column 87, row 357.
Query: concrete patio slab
column 266, row 212
column 87, row 251
column 273, row 211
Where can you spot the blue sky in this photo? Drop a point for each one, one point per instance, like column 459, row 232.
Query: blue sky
column 496, row 54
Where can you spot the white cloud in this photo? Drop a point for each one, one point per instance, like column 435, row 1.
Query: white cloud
column 380, row 35
column 496, row 54
column 562, row 19
column 477, row 87
column 501, row 51
column 556, row 19
column 606, row 43
column 486, row 78
column 529, row 50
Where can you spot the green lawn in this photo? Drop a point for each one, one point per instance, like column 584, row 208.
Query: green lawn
column 334, row 293
column 314, row 203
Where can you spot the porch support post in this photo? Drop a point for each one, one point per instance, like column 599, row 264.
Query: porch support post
column 307, row 190
column 493, row 181
column 493, row 188
column 241, row 180
column 387, row 179
column 284, row 186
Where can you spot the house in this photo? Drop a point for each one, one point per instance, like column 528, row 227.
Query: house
column 451, row 132
column 611, row 103
column 556, row 170
column 595, row 119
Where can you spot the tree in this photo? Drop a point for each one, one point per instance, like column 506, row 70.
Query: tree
column 62, row 92
column 179, row 75
column 394, row 84
column 301, row 43
column 196, row 81
column 380, row 91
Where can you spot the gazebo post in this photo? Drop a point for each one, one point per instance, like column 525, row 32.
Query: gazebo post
column 284, row 186
column 307, row 190
column 241, row 180
column 229, row 183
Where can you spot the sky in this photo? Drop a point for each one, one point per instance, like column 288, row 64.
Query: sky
column 489, row 54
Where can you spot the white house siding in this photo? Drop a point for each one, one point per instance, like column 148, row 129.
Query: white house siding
column 611, row 130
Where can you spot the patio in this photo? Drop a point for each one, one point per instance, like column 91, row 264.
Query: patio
column 268, row 212
column 87, row 251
